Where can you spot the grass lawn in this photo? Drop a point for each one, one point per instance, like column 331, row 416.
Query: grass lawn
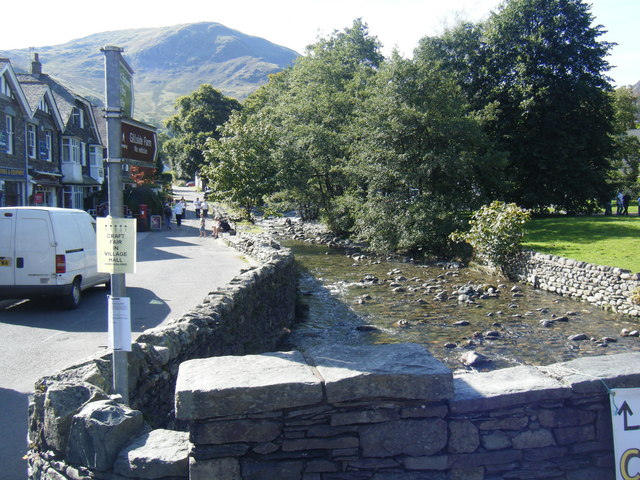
column 613, row 241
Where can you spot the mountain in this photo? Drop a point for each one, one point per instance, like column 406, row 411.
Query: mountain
column 168, row 62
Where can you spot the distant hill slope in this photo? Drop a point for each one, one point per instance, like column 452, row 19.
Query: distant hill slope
column 168, row 62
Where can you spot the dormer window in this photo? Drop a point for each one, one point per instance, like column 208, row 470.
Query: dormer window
column 77, row 117
column 5, row 89
column 43, row 105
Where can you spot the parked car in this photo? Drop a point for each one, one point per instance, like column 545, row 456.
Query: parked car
column 48, row 252
column 190, row 183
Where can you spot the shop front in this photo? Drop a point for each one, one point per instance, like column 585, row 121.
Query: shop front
column 12, row 182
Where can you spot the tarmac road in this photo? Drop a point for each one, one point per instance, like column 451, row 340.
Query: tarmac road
column 175, row 271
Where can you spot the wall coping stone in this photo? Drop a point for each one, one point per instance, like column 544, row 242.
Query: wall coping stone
column 587, row 374
column 505, row 388
column 398, row 371
column 233, row 385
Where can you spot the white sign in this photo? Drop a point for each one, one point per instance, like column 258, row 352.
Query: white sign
column 625, row 418
column 116, row 245
column 119, row 312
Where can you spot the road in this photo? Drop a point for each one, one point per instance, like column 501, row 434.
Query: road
column 175, row 271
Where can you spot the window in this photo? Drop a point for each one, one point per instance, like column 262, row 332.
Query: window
column 70, row 150
column 5, row 89
column 73, row 197
column 95, row 156
column 31, row 140
column 77, row 117
column 9, row 131
column 43, row 105
column 46, row 152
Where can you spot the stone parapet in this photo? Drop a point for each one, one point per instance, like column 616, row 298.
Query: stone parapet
column 396, row 412
column 77, row 429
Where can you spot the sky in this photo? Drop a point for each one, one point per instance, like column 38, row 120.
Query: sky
column 297, row 23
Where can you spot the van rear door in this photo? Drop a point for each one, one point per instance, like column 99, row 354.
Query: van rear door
column 35, row 255
column 7, row 257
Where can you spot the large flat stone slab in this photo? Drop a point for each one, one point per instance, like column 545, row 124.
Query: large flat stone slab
column 504, row 388
column 235, row 385
column 396, row 371
column 597, row 374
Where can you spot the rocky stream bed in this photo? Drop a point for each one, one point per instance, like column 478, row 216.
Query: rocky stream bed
column 466, row 318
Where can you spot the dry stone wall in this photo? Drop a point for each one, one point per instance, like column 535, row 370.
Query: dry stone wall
column 609, row 288
column 392, row 412
column 78, row 430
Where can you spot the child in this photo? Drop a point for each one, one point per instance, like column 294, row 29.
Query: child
column 203, row 233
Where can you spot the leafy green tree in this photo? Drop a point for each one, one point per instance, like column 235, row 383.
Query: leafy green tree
column 315, row 104
column 420, row 160
column 536, row 72
column 626, row 155
column 239, row 168
column 545, row 68
column 199, row 116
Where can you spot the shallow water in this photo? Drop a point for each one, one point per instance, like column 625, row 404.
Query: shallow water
column 337, row 300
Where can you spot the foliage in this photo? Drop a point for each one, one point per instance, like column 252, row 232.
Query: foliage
column 143, row 195
column 142, row 175
column 496, row 232
column 238, row 168
column 535, row 70
column 398, row 151
column 595, row 239
column 626, row 154
column 419, row 160
column 198, row 118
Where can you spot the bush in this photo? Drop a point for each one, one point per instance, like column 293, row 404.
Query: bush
column 496, row 233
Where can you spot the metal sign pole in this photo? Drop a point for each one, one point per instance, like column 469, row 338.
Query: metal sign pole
column 113, row 113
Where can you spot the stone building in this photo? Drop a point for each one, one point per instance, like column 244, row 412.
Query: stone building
column 51, row 149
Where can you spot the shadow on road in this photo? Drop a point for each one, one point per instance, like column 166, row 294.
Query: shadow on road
column 147, row 311
column 13, row 441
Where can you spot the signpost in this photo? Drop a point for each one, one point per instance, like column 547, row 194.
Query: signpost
column 135, row 143
column 119, row 101
column 625, row 419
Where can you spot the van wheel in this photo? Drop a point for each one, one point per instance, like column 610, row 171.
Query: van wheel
column 72, row 300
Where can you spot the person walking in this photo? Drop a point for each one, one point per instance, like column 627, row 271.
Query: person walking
column 167, row 212
column 619, row 204
column 196, row 206
column 177, row 211
column 205, row 207
column 184, row 207
column 626, row 198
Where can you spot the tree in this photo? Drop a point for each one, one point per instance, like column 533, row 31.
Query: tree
column 544, row 67
column 198, row 118
column 316, row 100
column 626, row 154
column 238, row 167
column 536, row 72
column 421, row 159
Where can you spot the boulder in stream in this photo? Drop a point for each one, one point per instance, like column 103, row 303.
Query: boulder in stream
column 473, row 359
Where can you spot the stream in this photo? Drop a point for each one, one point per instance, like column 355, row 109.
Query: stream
column 450, row 310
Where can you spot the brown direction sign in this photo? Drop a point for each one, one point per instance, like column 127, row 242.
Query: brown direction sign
column 139, row 144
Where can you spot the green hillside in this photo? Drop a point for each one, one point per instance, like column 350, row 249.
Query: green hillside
column 168, row 62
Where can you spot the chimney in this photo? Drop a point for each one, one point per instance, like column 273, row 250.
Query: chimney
column 36, row 66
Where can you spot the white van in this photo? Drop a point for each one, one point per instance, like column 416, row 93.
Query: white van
column 48, row 252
